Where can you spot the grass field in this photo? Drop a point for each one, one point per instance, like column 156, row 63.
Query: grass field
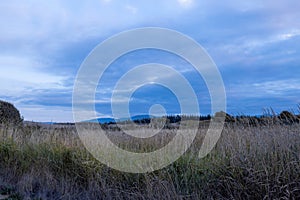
column 260, row 161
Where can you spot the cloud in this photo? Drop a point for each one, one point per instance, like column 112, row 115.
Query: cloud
column 20, row 75
column 35, row 88
column 185, row 3
column 62, row 22
column 131, row 9
column 276, row 37
column 43, row 44
column 288, row 88
column 252, row 50
column 279, row 87
column 46, row 113
column 252, row 97
column 106, row 1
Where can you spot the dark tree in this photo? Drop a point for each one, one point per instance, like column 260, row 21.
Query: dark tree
column 9, row 114
column 287, row 117
column 221, row 114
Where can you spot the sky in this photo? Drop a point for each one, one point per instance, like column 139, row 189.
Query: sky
column 255, row 45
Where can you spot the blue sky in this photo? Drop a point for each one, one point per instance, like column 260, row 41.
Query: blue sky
column 255, row 44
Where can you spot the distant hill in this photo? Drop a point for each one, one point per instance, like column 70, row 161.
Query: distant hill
column 101, row 120
column 139, row 117
column 112, row 120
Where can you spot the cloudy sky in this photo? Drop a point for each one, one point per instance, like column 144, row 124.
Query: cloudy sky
column 255, row 44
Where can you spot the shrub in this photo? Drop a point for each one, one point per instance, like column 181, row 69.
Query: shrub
column 221, row 114
column 9, row 114
column 287, row 117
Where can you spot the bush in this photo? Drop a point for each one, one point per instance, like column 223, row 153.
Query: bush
column 287, row 117
column 221, row 114
column 9, row 114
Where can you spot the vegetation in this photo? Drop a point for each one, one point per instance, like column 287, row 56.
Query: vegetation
column 250, row 161
column 9, row 114
column 288, row 117
column 255, row 158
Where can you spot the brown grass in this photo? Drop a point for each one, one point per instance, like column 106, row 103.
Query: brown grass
column 249, row 162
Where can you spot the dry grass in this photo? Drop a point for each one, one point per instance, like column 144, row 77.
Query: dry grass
column 249, row 162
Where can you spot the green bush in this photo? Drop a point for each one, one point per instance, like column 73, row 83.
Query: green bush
column 9, row 114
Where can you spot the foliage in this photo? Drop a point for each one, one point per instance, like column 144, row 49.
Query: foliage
column 288, row 117
column 9, row 114
column 221, row 114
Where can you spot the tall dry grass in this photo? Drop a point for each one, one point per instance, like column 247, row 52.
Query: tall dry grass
column 249, row 162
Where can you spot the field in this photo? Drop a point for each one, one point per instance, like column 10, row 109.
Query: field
column 250, row 161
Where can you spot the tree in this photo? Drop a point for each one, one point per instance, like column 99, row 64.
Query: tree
column 222, row 114
column 9, row 114
column 287, row 117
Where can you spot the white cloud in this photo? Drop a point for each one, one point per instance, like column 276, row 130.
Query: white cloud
column 288, row 35
column 278, row 87
column 132, row 9
column 106, row 1
column 251, row 49
column 20, row 75
column 60, row 22
column 25, row 70
column 277, row 36
column 31, row 31
column 185, row 3
column 285, row 88
column 46, row 113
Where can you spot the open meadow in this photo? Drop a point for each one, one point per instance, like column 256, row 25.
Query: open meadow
column 250, row 161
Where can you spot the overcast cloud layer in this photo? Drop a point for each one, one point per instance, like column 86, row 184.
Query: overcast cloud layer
column 255, row 44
